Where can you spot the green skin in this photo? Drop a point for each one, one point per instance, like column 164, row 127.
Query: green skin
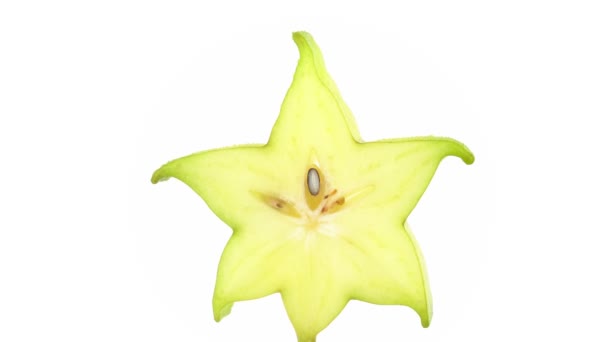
column 323, row 241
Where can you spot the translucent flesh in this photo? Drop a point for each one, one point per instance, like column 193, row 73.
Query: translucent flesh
column 283, row 242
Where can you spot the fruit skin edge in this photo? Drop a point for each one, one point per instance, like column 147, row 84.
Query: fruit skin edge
column 307, row 46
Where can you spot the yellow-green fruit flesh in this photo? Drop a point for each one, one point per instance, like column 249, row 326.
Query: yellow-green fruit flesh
column 319, row 246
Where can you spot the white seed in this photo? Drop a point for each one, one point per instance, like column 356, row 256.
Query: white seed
column 313, row 181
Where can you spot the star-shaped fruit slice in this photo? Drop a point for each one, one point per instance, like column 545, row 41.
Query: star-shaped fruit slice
column 317, row 214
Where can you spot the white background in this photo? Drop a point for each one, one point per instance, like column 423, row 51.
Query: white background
column 95, row 96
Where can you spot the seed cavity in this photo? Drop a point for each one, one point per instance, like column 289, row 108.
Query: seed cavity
column 313, row 181
column 276, row 202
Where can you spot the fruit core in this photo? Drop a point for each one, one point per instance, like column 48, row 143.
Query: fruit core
column 320, row 200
